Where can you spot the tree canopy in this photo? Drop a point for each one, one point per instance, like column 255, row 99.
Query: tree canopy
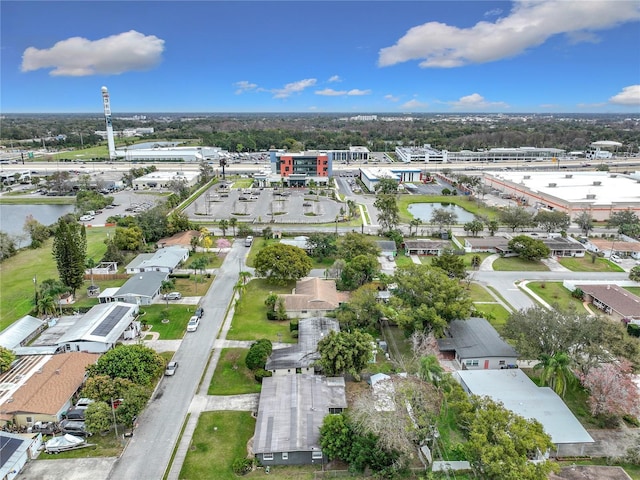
column 529, row 248
column 70, row 251
column 345, row 352
column 280, row 263
column 136, row 363
column 426, row 299
column 354, row 244
column 516, row 217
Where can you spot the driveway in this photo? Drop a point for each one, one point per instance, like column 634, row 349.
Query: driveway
column 68, row 469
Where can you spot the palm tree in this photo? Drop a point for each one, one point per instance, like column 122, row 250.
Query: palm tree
column 415, row 222
column 46, row 305
column 223, row 224
column 90, row 263
column 245, row 276
column 430, row 369
column 556, row 371
column 233, row 222
column 165, row 287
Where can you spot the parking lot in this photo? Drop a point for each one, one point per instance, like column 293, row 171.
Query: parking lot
column 264, row 205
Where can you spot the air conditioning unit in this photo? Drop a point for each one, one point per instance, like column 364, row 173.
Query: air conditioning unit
column 568, row 175
column 553, row 185
column 597, row 183
column 527, row 177
column 591, row 196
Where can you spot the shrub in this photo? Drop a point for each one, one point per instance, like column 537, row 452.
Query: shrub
column 260, row 374
column 242, row 466
column 293, row 325
column 258, row 354
column 578, row 293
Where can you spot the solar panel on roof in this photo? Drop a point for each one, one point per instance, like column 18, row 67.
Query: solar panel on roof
column 105, row 327
column 8, row 446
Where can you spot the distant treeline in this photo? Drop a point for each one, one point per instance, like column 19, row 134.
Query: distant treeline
column 260, row 132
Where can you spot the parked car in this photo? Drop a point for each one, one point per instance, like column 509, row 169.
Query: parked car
column 83, row 403
column 171, row 368
column 248, row 241
column 172, row 296
column 74, row 427
column 86, row 218
column 192, row 326
column 199, row 312
column 75, row 414
column 615, row 258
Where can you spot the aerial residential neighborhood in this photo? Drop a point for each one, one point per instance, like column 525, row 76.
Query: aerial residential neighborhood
column 317, row 240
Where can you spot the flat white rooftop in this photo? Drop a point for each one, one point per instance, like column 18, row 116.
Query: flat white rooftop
column 594, row 188
column 518, row 393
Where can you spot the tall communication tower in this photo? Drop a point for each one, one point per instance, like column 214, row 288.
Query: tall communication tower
column 107, row 117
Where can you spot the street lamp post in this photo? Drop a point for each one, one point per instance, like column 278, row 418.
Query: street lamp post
column 35, row 289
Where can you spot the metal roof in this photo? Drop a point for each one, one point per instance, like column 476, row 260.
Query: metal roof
column 304, row 353
column 104, row 323
column 291, row 411
column 144, row 284
column 12, row 336
column 475, row 338
column 517, row 392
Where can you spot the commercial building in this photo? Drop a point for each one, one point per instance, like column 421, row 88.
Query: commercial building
column 162, row 179
column 600, row 194
column 428, row 154
column 371, row 176
column 297, row 169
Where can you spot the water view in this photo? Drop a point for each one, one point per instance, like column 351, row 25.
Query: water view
column 12, row 218
column 423, row 211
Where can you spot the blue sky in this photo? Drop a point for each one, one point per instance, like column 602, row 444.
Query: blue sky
column 326, row 56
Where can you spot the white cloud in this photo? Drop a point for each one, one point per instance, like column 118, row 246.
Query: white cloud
column 529, row 24
column 496, row 12
column 294, row 87
column 412, row 104
column 335, row 78
column 330, row 92
column 78, row 57
column 475, row 101
column 628, row 96
column 356, row 92
column 244, row 86
column 391, row 98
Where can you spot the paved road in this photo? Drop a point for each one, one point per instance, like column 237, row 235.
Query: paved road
column 149, row 451
column 505, row 282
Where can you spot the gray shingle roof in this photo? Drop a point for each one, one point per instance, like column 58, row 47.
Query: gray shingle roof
column 475, row 338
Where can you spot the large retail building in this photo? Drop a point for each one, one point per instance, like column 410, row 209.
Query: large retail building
column 600, row 194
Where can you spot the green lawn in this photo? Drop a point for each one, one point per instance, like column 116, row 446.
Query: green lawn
column 555, row 294
column 586, row 264
column 232, row 377
column 213, row 259
column 495, row 313
column 178, row 316
column 250, row 317
column 219, row 439
column 479, row 293
column 402, row 260
column 17, row 290
column 462, row 201
column 517, row 264
column 194, row 286
column 18, row 198
column 634, row 290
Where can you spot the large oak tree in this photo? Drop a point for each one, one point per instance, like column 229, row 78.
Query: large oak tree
column 280, row 263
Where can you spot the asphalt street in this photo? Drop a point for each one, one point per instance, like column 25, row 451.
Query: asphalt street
column 149, row 451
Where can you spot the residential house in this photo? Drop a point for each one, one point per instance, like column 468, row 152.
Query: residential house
column 475, row 345
column 163, row 260
column 141, row 288
column 518, row 393
column 300, row 242
column 618, row 247
column 16, row 450
column 613, row 300
column 21, row 332
column 290, row 414
column 41, row 388
column 485, row 244
column 313, row 297
column 387, row 248
column 100, row 328
column 301, row 357
column 180, row 239
column 425, row 247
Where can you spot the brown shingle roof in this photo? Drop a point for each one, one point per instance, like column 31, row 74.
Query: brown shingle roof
column 606, row 244
column 312, row 294
column 48, row 389
column 620, row 300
